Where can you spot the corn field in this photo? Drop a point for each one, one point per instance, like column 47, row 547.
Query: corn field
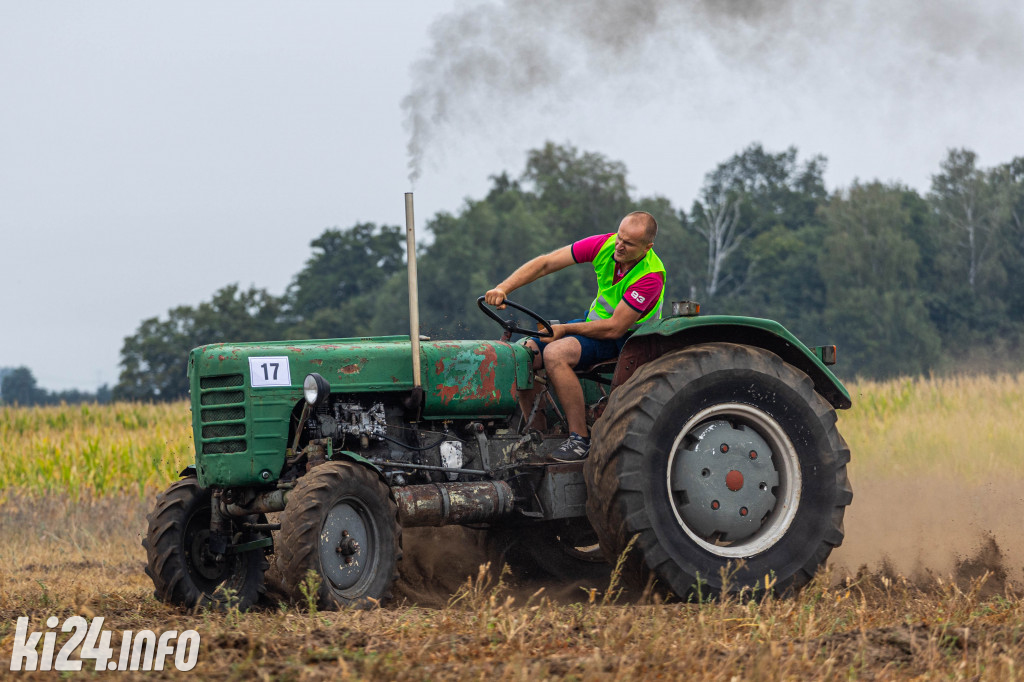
column 94, row 450
column 958, row 428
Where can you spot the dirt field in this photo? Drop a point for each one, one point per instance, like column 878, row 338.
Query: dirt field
column 926, row 584
column 955, row 614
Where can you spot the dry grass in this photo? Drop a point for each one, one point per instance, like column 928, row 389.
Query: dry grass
column 925, row 586
column 62, row 557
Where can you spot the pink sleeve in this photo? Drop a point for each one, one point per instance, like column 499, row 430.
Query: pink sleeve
column 585, row 250
column 643, row 293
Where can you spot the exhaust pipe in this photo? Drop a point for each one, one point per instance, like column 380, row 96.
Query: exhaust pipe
column 414, row 296
column 430, row 504
column 442, row 504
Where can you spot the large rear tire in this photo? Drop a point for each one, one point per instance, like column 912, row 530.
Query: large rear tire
column 726, row 466
column 183, row 570
column 341, row 523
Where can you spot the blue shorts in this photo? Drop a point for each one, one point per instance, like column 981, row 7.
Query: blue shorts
column 592, row 351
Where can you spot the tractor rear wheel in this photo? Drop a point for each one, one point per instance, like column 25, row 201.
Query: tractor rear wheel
column 341, row 523
column 726, row 466
column 180, row 563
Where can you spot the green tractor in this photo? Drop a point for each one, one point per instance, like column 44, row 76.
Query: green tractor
column 715, row 461
column 715, row 452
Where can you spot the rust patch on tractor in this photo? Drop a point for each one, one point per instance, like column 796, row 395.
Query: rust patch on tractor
column 439, row 367
column 446, row 393
column 488, row 390
column 317, row 361
column 350, row 369
column 471, row 377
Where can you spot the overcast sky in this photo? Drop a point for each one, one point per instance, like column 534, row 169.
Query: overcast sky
column 152, row 153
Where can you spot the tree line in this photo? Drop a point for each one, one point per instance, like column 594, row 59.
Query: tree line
column 18, row 386
column 904, row 283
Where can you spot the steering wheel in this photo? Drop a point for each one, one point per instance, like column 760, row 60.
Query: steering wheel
column 510, row 325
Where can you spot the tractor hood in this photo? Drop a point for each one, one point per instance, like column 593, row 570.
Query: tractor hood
column 459, row 378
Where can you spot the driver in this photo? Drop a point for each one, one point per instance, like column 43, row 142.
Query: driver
column 630, row 284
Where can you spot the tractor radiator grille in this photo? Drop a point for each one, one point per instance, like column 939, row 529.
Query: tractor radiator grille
column 222, row 398
column 221, row 381
column 223, row 430
column 220, row 448
column 223, row 424
column 223, row 414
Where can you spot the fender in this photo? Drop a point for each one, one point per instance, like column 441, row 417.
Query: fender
column 333, row 455
column 658, row 337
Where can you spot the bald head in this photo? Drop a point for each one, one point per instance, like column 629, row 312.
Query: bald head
column 634, row 238
column 646, row 221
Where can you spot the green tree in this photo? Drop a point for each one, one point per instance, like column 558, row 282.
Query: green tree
column 789, row 287
column 576, row 194
column 976, row 225
column 869, row 267
column 474, row 250
column 968, row 208
column 336, row 293
column 18, row 387
column 1010, row 181
column 154, row 359
column 745, row 197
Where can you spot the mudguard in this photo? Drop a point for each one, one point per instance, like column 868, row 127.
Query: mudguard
column 658, row 337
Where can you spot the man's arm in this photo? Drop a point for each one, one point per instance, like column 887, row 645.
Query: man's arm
column 530, row 271
column 615, row 326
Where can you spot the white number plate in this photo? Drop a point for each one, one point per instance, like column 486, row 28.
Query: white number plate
column 269, row 371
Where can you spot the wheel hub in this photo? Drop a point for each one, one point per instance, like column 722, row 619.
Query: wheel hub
column 734, row 480
column 348, row 547
column 203, row 561
column 347, row 530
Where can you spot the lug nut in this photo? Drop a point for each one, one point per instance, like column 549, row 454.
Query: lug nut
column 714, row 504
column 725, row 447
column 743, row 511
column 753, row 454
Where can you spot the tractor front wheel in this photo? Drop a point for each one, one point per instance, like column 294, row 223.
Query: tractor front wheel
column 183, row 569
column 340, row 523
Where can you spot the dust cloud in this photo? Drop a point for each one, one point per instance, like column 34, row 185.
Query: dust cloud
column 436, row 562
column 928, row 528
column 492, row 64
column 922, row 529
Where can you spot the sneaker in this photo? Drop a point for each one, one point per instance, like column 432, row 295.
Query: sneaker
column 573, row 449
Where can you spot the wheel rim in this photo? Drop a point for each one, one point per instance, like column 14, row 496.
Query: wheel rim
column 206, row 570
column 734, row 480
column 347, row 541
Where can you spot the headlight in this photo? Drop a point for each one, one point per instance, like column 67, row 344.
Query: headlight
column 315, row 388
